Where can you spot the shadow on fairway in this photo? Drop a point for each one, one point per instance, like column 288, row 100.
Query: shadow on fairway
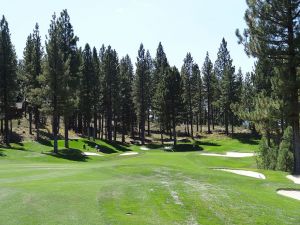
column 69, row 154
column 16, row 146
column 206, row 143
column 107, row 149
column 186, row 148
column 44, row 141
column 154, row 146
column 246, row 138
column 118, row 145
column 1, row 153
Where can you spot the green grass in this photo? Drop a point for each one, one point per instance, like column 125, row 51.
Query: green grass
column 154, row 187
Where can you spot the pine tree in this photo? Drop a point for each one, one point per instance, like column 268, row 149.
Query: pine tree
column 86, row 87
column 207, row 71
column 196, row 93
column 110, row 86
column 69, row 48
column 33, row 54
column 186, row 73
column 8, row 67
column 54, row 78
column 96, row 89
column 161, row 65
column 141, row 90
column 126, row 101
column 173, row 98
column 225, row 74
column 273, row 33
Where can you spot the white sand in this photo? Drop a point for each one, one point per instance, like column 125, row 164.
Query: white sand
column 129, row 153
column 290, row 193
column 91, row 154
column 145, row 148
column 294, row 178
column 245, row 173
column 231, row 154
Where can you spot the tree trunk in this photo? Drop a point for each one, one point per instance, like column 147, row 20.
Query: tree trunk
column 174, row 131
column 37, row 123
column 102, row 126
column 30, row 122
column 123, row 130
column 226, row 122
column 232, row 123
column 95, row 126
column 208, row 118
column 148, row 122
column 1, row 126
column 6, row 131
column 11, row 127
column 66, row 120
column 197, row 120
column 115, row 128
column 161, row 135
column 79, row 119
column 55, row 132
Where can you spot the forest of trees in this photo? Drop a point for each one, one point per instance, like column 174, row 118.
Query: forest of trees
column 99, row 95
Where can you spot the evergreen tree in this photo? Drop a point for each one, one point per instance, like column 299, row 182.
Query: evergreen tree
column 161, row 65
column 110, row 87
column 96, row 89
column 273, row 33
column 69, row 49
column 54, row 78
column 186, row 73
column 8, row 67
column 142, row 90
column 33, row 54
column 173, row 98
column 207, row 71
column 126, row 101
column 86, row 88
column 225, row 74
column 196, row 94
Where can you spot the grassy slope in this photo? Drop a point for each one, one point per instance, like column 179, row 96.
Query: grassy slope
column 156, row 187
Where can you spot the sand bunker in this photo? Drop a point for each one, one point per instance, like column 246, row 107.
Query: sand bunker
column 129, row 153
column 290, row 193
column 245, row 173
column 91, row 154
column 231, row 154
column 145, row 148
column 294, row 178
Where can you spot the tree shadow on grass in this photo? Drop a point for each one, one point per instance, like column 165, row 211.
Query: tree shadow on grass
column 44, row 141
column 106, row 149
column 154, row 146
column 206, row 143
column 186, row 148
column 16, row 146
column 184, row 140
column 69, row 154
column 118, row 145
column 2, row 153
column 247, row 138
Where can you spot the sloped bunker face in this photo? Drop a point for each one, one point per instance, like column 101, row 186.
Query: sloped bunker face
column 230, row 154
column 295, row 194
column 294, row 178
column 245, row 173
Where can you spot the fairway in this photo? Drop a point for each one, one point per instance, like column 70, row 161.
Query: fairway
column 151, row 187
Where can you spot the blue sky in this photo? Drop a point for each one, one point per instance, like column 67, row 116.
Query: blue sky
column 182, row 26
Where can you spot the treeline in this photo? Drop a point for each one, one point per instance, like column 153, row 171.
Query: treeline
column 95, row 93
column 272, row 102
